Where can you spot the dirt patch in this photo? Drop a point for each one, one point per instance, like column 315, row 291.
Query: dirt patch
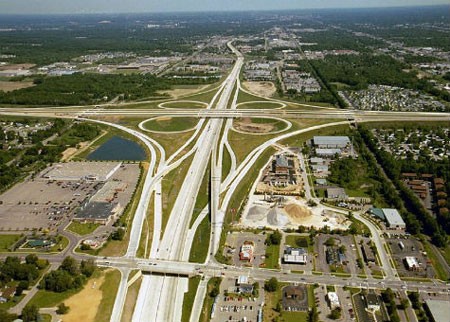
column 69, row 152
column 265, row 89
column 297, row 212
column 246, row 125
column 12, row 86
column 84, row 305
column 163, row 119
column 17, row 66
column 178, row 92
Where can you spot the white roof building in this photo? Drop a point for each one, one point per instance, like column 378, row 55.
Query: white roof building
column 242, row 279
column 295, row 256
column 333, row 300
column 325, row 152
column 331, row 141
column 411, row 263
column 393, row 219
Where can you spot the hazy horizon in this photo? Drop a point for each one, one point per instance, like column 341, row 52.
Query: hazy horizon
column 151, row 6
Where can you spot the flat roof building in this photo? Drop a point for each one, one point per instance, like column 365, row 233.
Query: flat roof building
column 439, row 310
column 412, row 264
column 246, row 253
column 328, row 153
column 333, row 300
column 372, row 301
column 295, row 256
column 331, row 141
column 75, row 171
column 97, row 212
column 391, row 217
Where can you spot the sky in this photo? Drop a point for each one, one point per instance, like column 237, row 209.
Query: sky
column 127, row 6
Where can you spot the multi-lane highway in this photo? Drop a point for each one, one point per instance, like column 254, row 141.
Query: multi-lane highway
column 161, row 295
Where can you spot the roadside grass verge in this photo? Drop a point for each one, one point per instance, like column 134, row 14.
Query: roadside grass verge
column 189, row 298
column 441, row 273
column 171, row 142
column 199, row 250
column 226, row 163
column 171, row 124
column 208, row 301
column 203, row 196
column 145, row 242
column 82, row 229
column 171, row 185
column 109, row 290
column 245, row 97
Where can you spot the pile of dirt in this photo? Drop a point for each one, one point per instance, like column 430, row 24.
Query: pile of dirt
column 266, row 89
column 246, row 125
column 297, row 212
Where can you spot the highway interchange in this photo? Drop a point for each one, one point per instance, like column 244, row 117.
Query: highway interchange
column 167, row 268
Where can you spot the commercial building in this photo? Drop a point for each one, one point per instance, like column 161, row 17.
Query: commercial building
column 328, row 152
column 368, row 253
column 333, row 300
column 243, row 285
column 412, row 264
column 391, row 217
column 295, row 256
column 372, row 301
column 438, row 310
column 97, row 212
column 246, row 252
column 330, row 142
column 89, row 171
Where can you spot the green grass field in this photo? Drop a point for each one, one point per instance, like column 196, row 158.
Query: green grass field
column 441, row 273
column 260, row 105
column 82, row 229
column 226, row 163
column 171, row 185
column 6, row 241
column 272, row 256
column 208, row 302
column 200, row 247
column 171, row 124
column 189, row 298
column 245, row 97
column 176, row 104
column 109, row 290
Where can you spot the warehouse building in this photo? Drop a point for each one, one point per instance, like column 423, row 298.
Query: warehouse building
column 390, row 216
column 331, row 142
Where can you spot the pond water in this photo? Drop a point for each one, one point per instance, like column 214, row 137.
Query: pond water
column 118, row 148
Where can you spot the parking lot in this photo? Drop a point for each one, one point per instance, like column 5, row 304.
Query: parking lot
column 41, row 204
column 234, row 242
column 410, row 247
column 44, row 204
column 234, row 307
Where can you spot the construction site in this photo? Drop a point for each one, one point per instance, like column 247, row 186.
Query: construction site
column 280, row 212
